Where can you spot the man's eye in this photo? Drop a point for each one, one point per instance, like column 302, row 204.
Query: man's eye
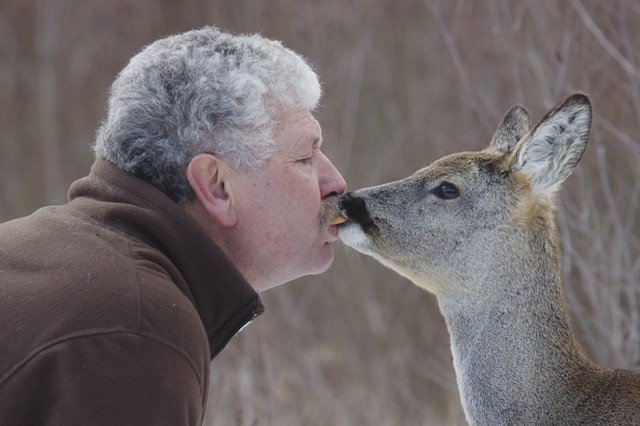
column 307, row 160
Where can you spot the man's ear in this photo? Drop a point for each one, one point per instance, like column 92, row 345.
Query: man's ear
column 208, row 176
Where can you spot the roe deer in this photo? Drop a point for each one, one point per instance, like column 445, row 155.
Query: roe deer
column 477, row 230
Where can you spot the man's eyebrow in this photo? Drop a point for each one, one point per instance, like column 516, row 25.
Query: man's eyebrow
column 313, row 141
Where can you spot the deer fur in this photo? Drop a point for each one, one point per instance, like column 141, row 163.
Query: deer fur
column 485, row 244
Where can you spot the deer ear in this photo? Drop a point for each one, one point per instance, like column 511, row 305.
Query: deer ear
column 514, row 126
column 554, row 147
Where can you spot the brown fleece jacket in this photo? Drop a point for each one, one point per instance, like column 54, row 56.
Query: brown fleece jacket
column 112, row 307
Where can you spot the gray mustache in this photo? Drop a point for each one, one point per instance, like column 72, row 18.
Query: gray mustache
column 329, row 209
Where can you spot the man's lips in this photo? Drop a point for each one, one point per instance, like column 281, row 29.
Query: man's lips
column 335, row 224
column 333, row 232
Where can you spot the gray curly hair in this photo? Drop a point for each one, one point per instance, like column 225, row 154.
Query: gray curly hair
column 201, row 91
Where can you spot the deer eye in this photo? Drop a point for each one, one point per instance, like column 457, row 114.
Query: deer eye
column 446, row 191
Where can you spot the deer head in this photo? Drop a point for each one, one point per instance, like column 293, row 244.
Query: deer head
column 471, row 212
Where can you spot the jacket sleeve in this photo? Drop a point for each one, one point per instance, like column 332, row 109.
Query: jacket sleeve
column 115, row 378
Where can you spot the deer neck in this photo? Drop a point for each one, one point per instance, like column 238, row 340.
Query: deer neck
column 514, row 351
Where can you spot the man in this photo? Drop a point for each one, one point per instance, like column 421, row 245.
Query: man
column 209, row 187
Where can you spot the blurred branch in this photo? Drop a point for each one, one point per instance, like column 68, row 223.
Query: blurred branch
column 49, row 13
column 561, row 74
column 510, row 38
column 611, row 50
column 630, row 143
column 602, row 39
column 478, row 103
column 630, row 50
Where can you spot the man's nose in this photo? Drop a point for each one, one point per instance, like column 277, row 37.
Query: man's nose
column 331, row 181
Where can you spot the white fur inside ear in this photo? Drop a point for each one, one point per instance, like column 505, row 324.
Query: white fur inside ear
column 555, row 147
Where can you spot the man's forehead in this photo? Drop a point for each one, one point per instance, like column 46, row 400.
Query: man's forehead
column 302, row 126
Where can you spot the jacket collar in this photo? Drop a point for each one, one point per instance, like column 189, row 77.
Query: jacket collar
column 223, row 298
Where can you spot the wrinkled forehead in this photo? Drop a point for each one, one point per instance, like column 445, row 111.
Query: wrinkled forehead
column 463, row 164
column 297, row 125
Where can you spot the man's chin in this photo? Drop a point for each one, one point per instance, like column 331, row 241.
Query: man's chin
column 324, row 260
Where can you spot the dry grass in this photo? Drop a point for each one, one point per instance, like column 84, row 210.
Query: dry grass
column 405, row 82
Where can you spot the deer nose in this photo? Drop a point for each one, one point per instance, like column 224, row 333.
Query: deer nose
column 355, row 208
column 352, row 206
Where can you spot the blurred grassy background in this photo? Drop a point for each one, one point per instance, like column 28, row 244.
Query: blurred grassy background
column 405, row 82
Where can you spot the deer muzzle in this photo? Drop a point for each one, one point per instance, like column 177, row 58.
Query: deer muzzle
column 354, row 208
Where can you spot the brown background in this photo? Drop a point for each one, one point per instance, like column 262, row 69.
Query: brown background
column 405, row 82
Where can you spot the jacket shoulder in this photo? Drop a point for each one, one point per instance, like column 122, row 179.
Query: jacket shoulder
column 61, row 274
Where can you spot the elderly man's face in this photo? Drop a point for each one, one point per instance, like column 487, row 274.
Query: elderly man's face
column 279, row 205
